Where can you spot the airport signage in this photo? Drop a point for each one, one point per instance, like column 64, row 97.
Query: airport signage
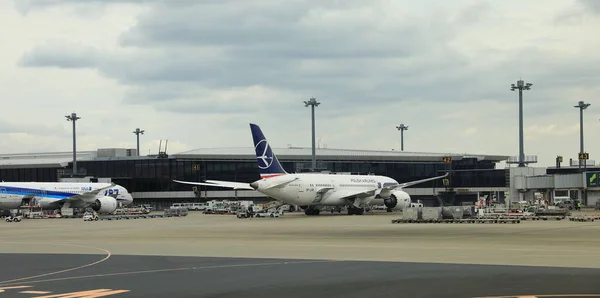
column 447, row 159
column 584, row 155
column 592, row 179
column 195, row 167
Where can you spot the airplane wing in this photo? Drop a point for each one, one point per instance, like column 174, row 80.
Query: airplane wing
column 407, row 184
column 353, row 193
column 88, row 195
column 217, row 183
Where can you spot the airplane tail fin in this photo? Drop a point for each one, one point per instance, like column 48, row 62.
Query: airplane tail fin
column 268, row 164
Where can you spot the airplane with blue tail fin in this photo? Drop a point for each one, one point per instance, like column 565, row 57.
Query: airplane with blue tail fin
column 313, row 191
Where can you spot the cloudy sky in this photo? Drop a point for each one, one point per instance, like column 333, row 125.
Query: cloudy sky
column 197, row 72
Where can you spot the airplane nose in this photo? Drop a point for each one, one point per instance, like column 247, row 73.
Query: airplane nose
column 254, row 185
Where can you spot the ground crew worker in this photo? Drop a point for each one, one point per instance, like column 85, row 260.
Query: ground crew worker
column 251, row 211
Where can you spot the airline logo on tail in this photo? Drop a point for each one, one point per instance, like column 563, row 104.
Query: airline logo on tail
column 268, row 164
column 266, row 159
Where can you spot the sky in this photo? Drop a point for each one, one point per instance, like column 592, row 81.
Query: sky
column 196, row 72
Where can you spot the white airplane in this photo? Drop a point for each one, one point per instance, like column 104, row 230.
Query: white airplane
column 312, row 191
column 101, row 197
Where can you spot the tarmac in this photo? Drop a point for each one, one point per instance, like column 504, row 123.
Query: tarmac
column 297, row 256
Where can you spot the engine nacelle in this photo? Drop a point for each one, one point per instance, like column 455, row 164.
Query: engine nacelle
column 398, row 200
column 105, row 205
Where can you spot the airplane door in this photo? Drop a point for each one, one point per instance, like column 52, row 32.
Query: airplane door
column 300, row 192
column 36, row 199
column 3, row 195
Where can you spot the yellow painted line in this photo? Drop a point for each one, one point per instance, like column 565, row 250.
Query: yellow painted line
column 544, row 296
column 35, row 292
column 2, row 289
column 86, row 294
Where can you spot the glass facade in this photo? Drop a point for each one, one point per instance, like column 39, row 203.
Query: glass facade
column 143, row 175
column 30, row 174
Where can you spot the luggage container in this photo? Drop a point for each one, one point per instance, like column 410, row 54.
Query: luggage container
column 453, row 212
column 412, row 213
column 432, row 213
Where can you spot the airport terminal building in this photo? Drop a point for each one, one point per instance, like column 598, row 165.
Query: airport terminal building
column 150, row 178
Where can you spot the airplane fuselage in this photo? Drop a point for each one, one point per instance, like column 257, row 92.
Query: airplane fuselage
column 322, row 189
column 49, row 194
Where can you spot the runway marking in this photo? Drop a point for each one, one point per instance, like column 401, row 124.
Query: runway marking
column 35, row 292
column 177, row 269
column 3, row 289
column 543, row 296
column 108, row 255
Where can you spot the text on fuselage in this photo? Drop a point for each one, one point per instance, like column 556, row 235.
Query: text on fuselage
column 363, row 180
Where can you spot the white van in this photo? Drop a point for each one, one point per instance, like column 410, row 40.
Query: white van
column 181, row 205
column 198, row 206
column 561, row 200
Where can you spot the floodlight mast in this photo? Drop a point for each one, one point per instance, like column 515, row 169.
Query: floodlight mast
column 73, row 118
column 313, row 103
column 137, row 133
column 521, row 86
column 581, row 106
column 402, row 128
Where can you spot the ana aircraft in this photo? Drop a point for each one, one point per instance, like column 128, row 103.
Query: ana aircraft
column 101, row 197
column 312, row 191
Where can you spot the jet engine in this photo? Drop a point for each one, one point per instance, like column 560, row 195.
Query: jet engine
column 397, row 200
column 105, row 205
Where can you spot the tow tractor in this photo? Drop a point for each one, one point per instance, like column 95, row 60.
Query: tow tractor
column 12, row 218
column 90, row 216
column 244, row 212
column 267, row 214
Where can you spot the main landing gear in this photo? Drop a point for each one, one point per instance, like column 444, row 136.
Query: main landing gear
column 310, row 210
column 355, row 211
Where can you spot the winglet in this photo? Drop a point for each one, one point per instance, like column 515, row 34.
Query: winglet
column 268, row 164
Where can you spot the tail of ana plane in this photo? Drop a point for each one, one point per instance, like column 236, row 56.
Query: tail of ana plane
column 268, row 164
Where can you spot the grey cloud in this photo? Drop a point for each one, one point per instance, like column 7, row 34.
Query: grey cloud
column 473, row 13
column 61, row 55
column 591, row 5
column 33, row 129
column 25, row 6
column 305, row 49
column 272, row 32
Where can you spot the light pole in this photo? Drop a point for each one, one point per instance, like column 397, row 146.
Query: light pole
column 521, row 86
column 137, row 133
column 313, row 103
column 402, row 128
column 73, row 118
column 581, row 106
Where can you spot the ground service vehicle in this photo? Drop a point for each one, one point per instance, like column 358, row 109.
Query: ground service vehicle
column 11, row 218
